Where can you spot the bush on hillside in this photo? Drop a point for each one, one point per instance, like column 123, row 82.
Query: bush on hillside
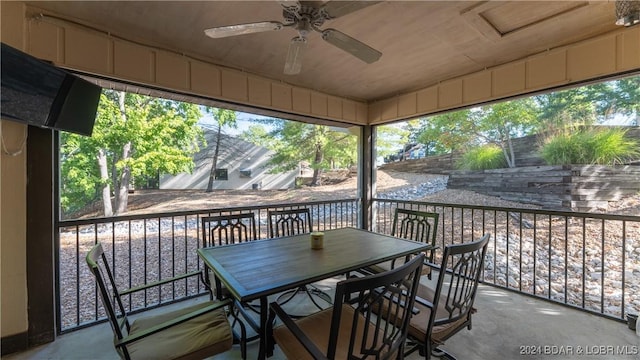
column 483, row 158
column 590, row 146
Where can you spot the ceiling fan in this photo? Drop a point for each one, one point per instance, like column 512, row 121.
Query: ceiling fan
column 304, row 17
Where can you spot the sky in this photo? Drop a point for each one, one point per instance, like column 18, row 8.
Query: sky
column 243, row 120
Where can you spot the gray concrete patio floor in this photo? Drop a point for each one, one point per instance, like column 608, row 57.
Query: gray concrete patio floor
column 506, row 326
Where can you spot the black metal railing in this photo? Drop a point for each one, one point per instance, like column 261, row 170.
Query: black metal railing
column 583, row 260
column 152, row 247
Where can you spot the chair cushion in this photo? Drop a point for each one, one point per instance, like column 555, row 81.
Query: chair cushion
column 317, row 328
column 197, row 338
column 387, row 265
column 420, row 321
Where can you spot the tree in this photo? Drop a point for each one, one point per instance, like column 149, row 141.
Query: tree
column 444, row 133
column 223, row 118
column 587, row 105
column 499, row 123
column 566, row 108
column 294, row 142
column 134, row 137
column 495, row 124
column 618, row 97
column 388, row 136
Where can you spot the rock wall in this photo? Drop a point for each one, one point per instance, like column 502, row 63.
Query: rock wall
column 569, row 187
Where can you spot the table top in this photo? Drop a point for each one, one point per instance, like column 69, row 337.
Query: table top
column 259, row 268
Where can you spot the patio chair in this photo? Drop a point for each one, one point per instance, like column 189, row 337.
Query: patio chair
column 351, row 328
column 194, row 332
column 223, row 230
column 452, row 297
column 293, row 222
column 414, row 225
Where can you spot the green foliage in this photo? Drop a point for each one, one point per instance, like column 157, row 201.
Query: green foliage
column 499, row 123
column 293, row 142
column 607, row 146
column 444, row 133
column 80, row 180
column 162, row 136
column 389, row 136
column 223, row 117
column 587, row 105
column 483, row 158
column 496, row 124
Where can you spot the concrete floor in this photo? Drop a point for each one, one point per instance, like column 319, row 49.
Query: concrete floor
column 506, row 326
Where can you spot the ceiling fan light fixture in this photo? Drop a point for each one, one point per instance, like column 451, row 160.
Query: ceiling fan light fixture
column 306, row 17
column 242, row 29
column 293, row 63
column 627, row 12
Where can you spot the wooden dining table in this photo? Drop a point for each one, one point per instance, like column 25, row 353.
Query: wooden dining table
column 257, row 269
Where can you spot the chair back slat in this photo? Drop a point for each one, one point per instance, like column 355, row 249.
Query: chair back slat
column 289, row 222
column 223, row 230
column 418, row 226
column 228, row 229
column 384, row 300
column 459, row 283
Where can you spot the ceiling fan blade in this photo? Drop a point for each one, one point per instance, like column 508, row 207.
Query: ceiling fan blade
column 241, row 29
column 335, row 9
column 354, row 47
column 293, row 64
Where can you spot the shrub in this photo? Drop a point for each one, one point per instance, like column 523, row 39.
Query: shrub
column 562, row 149
column 589, row 146
column 483, row 158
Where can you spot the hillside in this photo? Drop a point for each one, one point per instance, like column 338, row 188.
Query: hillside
column 339, row 185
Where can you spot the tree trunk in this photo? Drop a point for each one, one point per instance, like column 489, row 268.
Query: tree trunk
column 512, row 163
column 214, row 163
column 317, row 171
column 106, row 189
column 122, row 196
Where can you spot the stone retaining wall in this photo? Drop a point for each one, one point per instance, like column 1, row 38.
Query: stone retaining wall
column 568, row 187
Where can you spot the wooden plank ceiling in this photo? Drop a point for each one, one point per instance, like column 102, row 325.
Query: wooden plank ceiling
column 422, row 42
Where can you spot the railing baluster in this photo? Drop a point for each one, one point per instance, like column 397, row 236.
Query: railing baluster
column 566, row 258
column 507, row 222
column 159, row 258
column 520, row 252
column 535, row 252
column 78, row 320
column 130, row 267
column 602, row 253
column 173, row 256
column 584, row 258
column 144, row 282
column 624, row 267
column 495, row 244
column 549, row 258
column 186, row 242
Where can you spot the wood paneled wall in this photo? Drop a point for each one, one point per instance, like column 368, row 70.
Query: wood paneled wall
column 603, row 56
column 72, row 46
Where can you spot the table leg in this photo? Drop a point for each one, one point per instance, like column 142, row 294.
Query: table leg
column 264, row 309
